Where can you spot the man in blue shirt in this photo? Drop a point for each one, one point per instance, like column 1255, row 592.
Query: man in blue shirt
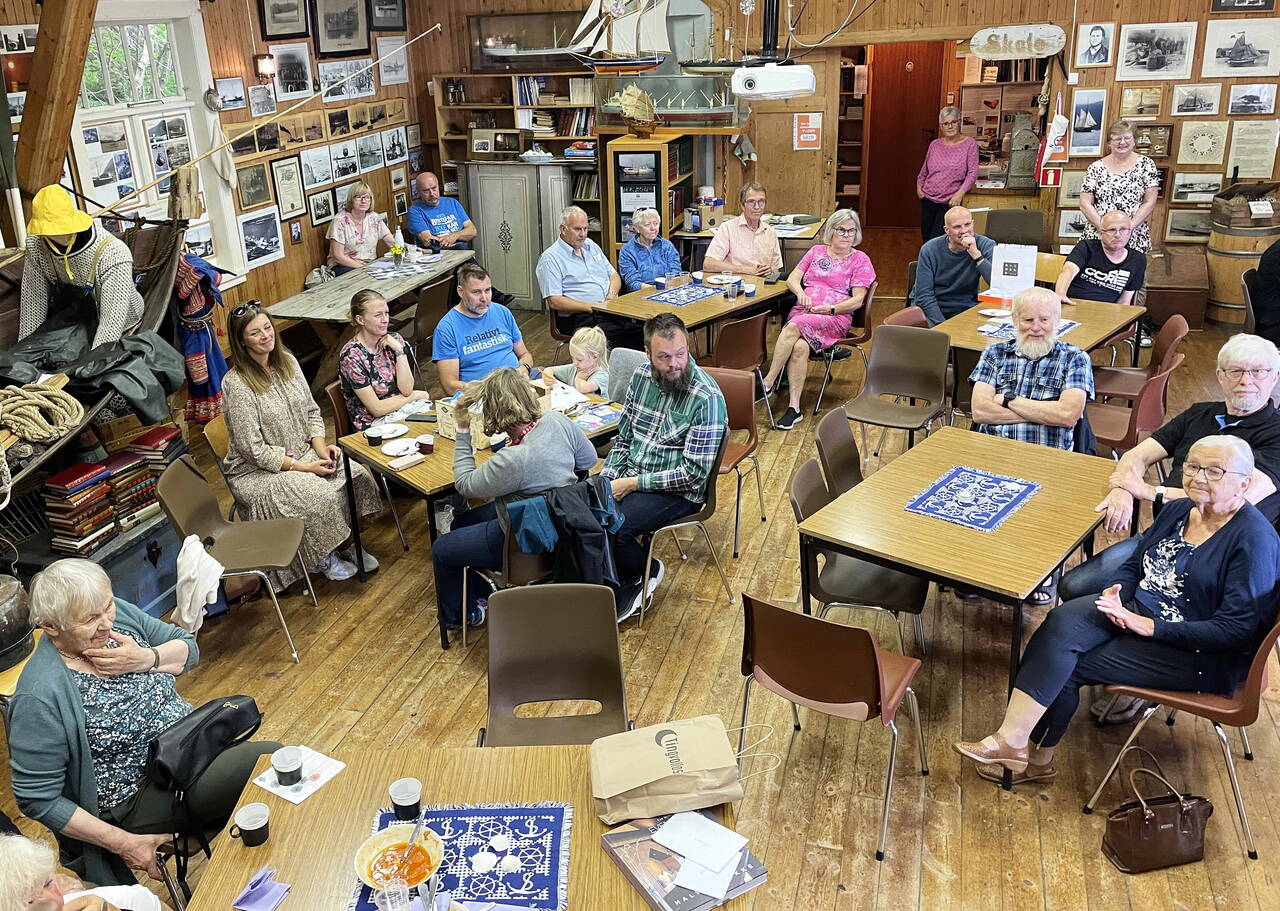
column 949, row 267
column 477, row 336
column 439, row 218
column 575, row 275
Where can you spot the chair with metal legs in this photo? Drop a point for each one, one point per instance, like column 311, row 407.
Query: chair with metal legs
column 341, row 428
column 859, row 334
column 741, row 345
column 738, row 387
column 829, row 668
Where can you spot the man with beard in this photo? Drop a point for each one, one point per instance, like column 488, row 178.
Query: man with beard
column 673, row 420
column 1033, row 387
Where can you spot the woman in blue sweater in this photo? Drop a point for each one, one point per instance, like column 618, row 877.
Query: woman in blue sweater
column 1186, row 612
column 647, row 255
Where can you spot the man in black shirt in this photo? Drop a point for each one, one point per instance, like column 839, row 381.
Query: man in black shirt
column 1248, row 367
column 1266, row 294
column 1104, row 269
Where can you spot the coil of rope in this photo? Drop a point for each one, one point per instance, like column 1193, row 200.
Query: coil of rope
column 39, row 413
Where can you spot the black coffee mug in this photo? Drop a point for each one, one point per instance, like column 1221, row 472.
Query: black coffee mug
column 408, row 811
column 252, row 825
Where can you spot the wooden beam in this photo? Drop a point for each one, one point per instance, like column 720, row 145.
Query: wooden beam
column 56, row 71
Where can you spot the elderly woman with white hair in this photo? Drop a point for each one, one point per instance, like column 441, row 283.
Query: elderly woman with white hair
column 647, row 255
column 99, row 687
column 949, row 171
column 1186, row 611
column 29, row 879
column 830, row 284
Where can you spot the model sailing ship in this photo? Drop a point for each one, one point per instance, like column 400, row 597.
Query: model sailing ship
column 616, row 36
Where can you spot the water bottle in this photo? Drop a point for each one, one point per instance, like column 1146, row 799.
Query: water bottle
column 399, row 237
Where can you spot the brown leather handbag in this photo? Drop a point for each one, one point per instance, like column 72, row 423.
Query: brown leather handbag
column 1153, row 832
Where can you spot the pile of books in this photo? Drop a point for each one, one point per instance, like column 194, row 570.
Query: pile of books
column 133, row 488
column 159, row 446
column 79, row 509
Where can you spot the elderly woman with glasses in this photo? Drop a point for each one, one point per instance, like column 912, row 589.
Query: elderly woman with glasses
column 353, row 236
column 29, row 879
column 1123, row 181
column 949, row 171
column 98, row 688
column 830, row 283
column 647, row 255
column 279, row 463
column 1187, row 611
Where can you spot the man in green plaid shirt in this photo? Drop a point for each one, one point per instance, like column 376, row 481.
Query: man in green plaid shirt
column 673, row 421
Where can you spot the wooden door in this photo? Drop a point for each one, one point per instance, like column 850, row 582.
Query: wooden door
column 901, row 120
column 502, row 197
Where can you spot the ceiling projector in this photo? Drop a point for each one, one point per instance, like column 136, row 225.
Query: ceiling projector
column 772, row 81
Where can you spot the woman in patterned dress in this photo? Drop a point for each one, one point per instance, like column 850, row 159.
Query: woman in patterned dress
column 830, row 283
column 375, row 368
column 279, row 464
column 354, row 234
column 1124, row 181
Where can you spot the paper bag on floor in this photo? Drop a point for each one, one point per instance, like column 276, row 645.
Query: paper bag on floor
column 664, row 768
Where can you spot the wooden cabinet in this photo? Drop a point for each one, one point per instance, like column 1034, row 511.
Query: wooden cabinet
column 657, row 172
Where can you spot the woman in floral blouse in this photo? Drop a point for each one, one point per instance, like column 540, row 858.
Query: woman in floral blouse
column 375, row 368
column 1124, row 181
column 354, row 234
column 830, row 283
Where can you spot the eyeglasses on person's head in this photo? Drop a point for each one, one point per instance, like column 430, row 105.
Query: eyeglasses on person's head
column 247, row 307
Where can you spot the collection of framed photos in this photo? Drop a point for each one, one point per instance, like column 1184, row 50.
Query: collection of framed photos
column 1169, row 114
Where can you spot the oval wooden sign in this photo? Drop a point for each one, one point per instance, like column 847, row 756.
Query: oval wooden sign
column 1017, row 42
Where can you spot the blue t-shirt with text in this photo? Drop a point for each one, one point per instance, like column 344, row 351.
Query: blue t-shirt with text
column 480, row 344
column 445, row 217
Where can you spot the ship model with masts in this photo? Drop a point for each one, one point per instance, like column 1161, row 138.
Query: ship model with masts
column 623, row 36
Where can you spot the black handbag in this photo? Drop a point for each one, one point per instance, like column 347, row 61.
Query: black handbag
column 1154, row 832
column 179, row 755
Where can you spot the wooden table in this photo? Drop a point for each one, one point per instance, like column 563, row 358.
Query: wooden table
column 706, row 312
column 688, row 241
column 1098, row 323
column 312, row 844
column 870, row 521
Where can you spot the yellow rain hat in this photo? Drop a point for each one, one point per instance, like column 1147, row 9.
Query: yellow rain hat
column 53, row 212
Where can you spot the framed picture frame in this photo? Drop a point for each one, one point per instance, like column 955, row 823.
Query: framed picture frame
column 1196, row 99
column 417, row 160
column 1194, row 187
column 393, row 63
column 369, row 149
column 387, row 15
column 295, row 232
column 199, row 240
column 1187, row 226
column 1242, row 6
column 401, row 203
column 1155, row 50
column 341, row 27
column 231, row 93
column 317, row 170
column 282, row 20
column 1162, row 175
column 252, row 186
column 267, row 136
column 1071, row 224
column 413, row 135
column 1252, row 98
column 261, row 238
column 1095, row 44
column 1088, row 122
column 293, row 70
column 345, row 158
column 338, row 123
column 394, row 148
column 1203, row 142
column 1154, row 140
column 321, row 207
column 290, row 195
column 1240, row 49
column 1069, row 190
column 1141, row 101
column 262, row 100
column 399, row 178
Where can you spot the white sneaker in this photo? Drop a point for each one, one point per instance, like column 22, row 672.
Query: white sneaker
column 655, row 578
column 370, row 561
column 336, row 569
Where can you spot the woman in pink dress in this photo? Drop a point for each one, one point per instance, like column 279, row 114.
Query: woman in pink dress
column 830, row 283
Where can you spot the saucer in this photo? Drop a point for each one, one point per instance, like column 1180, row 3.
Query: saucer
column 397, row 448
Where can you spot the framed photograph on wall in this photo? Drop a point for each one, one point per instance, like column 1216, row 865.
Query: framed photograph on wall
column 1088, row 122
column 316, row 167
column 262, row 100
column 1162, row 175
column 345, row 159
column 1155, row 50
column 402, row 203
column 1141, row 100
column 1252, row 98
column 386, row 15
column 282, row 20
column 261, row 240
column 393, row 63
column 1071, row 223
column 322, row 208
column 341, row 27
column 1195, row 187
column 1242, row 6
column 295, row 232
column 230, row 92
column 293, row 70
column 1241, row 48
column 339, row 124
column 1202, row 142
column 1187, row 226
column 394, row 148
column 1069, row 190
column 1153, row 139
column 413, row 135
column 1200, row 99
column 1094, row 44
column 369, row 150
column 253, row 186
column 290, row 197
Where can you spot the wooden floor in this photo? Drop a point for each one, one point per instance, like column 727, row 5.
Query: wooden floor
column 373, row 677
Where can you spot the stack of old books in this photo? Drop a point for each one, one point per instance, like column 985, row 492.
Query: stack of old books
column 79, row 510
column 133, row 488
column 160, row 446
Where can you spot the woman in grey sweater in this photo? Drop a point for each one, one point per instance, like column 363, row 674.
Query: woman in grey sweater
column 543, row 451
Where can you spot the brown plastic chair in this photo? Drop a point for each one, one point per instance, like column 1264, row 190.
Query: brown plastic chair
column 549, row 643
column 1015, row 226
column 907, row 363
column 216, row 435
column 838, row 453
column 912, row 268
column 434, row 301
column 341, row 428
column 696, row 520
column 1247, row 279
column 1127, row 382
column 907, row 316
column 555, row 332
column 739, row 389
column 741, row 345
column 846, row 581
column 1239, row 710
column 829, row 668
column 1121, row 428
column 859, row 334
column 518, row 569
column 249, row 548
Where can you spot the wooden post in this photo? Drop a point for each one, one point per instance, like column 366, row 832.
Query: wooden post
column 63, row 39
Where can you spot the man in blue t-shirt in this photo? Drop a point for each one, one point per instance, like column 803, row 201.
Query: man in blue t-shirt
column 439, row 219
column 477, row 336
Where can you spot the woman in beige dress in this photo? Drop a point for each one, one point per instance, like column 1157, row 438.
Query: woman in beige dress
column 279, row 464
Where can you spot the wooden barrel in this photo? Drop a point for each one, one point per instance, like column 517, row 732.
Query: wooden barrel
column 1231, row 251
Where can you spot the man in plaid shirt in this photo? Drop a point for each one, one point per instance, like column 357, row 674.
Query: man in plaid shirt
column 673, row 420
column 1034, row 387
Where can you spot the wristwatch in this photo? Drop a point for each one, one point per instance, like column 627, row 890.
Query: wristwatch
column 1006, row 399
column 1158, row 500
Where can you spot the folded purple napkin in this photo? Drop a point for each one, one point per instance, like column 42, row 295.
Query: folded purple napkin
column 262, row 893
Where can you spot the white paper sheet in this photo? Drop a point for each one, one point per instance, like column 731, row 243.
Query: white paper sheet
column 317, row 768
column 715, row 883
column 696, row 838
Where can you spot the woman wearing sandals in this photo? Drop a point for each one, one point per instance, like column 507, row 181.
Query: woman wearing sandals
column 1187, row 611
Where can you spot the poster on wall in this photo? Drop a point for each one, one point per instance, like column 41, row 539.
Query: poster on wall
column 293, row 70
column 1088, row 122
column 1253, row 98
column 393, row 63
column 260, row 236
column 287, row 175
column 341, row 28
column 231, row 93
column 199, row 240
column 1241, row 48
column 358, row 85
column 110, row 161
column 1253, row 147
column 18, row 39
column 806, row 132
column 262, row 100
column 1093, row 44
column 1159, row 50
column 1202, row 142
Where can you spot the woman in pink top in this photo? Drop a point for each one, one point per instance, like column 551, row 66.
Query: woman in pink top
column 830, row 283
column 949, row 170
column 354, row 234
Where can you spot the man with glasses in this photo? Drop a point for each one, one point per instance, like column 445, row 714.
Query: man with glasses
column 1104, row 268
column 745, row 244
column 949, row 267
